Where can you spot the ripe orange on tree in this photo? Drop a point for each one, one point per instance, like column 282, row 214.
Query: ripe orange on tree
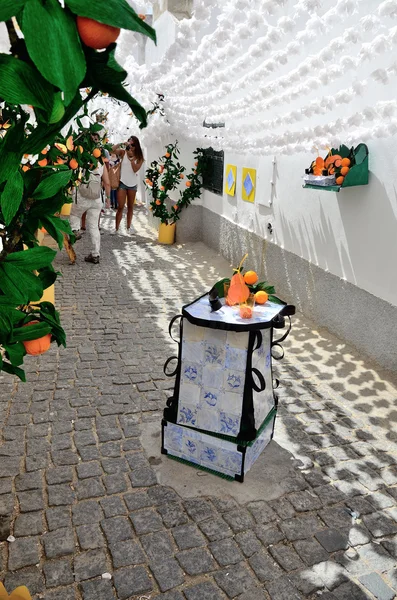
column 43, row 163
column 340, row 180
column 96, row 35
column 346, row 162
column 167, row 155
column 344, row 170
column 188, row 183
column 73, row 164
column 158, row 202
column 250, row 277
column 97, row 153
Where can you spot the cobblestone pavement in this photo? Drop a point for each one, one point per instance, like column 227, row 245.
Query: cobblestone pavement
column 83, row 496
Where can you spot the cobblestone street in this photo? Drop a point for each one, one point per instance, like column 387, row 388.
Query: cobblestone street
column 83, row 497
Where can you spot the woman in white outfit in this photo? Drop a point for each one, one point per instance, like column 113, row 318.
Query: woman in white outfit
column 93, row 208
column 131, row 162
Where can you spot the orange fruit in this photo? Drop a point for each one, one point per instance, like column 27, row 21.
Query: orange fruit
column 181, row 176
column 162, row 188
column 148, row 181
column 25, row 168
column 261, row 297
column 39, row 345
column 60, row 161
column 73, row 164
column 175, row 207
column 340, row 180
column 81, row 149
column 44, row 152
column 141, row 16
column 69, row 143
column 319, row 162
column 43, row 163
column 167, row 155
column 245, row 312
column 188, row 183
column 96, row 35
column 250, row 277
column 338, row 163
column 331, row 171
column 344, row 170
column 158, row 202
column 346, row 162
column 97, row 153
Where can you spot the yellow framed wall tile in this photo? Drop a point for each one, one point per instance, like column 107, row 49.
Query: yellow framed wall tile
column 230, row 180
column 248, row 184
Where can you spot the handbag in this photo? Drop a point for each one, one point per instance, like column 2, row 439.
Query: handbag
column 91, row 190
column 114, row 176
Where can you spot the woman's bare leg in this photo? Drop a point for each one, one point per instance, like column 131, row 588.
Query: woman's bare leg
column 121, row 198
column 130, row 206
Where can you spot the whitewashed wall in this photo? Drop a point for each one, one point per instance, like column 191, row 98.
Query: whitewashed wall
column 352, row 234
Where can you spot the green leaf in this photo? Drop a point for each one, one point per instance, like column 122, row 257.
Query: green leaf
column 47, row 276
column 45, row 134
column 56, row 227
column 19, row 285
column 220, row 285
column 31, row 332
column 15, row 353
column 22, row 84
column 52, row 184
column 11, row 197
column 105, row 74
column 54, row 45
column 117, row 13
column 9, row 8
column 13, row 370
column 275, row 299
column 31, row 259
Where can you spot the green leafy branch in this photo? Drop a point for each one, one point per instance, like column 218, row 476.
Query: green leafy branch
column 165, row 175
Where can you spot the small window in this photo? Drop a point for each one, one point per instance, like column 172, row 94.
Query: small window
column 213, row 170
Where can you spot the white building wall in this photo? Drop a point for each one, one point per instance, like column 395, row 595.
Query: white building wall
column 353, row 234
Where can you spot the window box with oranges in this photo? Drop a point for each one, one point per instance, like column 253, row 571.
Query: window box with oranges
column 341, row 168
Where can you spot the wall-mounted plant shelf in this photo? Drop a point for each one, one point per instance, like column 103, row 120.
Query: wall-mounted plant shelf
column 358, row 173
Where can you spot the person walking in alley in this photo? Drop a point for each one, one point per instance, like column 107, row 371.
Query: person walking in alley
column 131, row 161
column 88, row 199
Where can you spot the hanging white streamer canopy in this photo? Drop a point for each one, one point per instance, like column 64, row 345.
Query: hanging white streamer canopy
column 330, row 66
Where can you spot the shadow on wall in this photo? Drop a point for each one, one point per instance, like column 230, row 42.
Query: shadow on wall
column 370, row 232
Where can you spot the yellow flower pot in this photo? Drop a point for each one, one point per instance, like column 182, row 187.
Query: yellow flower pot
column 167, row 233
column 49, row 295
column 65, row 210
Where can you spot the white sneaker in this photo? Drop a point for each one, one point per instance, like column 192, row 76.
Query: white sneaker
column 115, row 232
column 131, row 230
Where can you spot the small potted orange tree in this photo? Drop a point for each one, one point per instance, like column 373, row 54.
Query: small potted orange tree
column 164, row 176
column 49, row 71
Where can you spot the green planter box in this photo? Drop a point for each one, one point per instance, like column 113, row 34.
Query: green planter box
column 358, row 174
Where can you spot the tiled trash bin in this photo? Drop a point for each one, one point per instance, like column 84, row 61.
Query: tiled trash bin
column 222, row 412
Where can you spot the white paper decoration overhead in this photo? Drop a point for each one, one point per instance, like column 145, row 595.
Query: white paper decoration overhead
column 283, row 75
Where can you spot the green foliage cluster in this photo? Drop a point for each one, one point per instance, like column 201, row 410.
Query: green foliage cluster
column 43, row 83
column 165, row 175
